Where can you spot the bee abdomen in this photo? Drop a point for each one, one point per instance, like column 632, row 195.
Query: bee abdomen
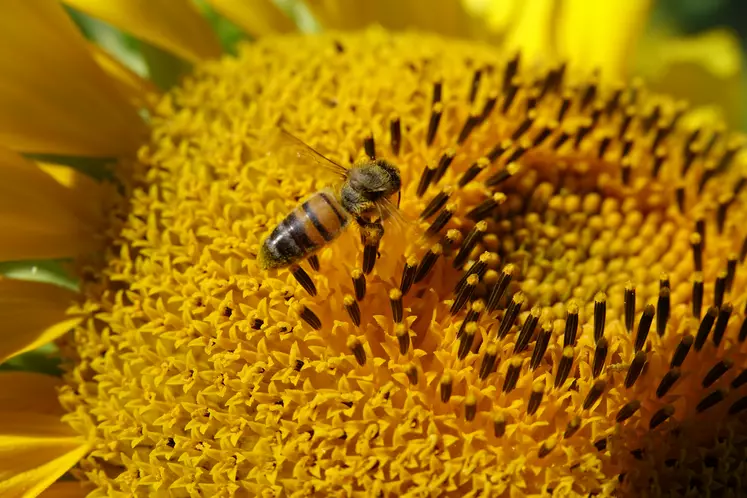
column 310, row 226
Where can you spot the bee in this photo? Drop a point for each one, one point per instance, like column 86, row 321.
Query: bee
column 362, row 195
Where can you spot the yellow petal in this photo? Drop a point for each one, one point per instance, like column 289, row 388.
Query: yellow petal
column 705, row 69
column 600, row 35
column 256, row 17
column 35, row 450
column 531, row 32
column 137, row 90
column 54, row 99
column 39, row 217
column 65, row 489
column 32, row 314
column 173, row 25
column 16, row 389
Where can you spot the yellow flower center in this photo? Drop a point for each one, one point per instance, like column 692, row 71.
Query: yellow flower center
column 561, row 311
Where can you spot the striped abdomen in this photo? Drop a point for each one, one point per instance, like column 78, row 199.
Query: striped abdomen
column 310, row 226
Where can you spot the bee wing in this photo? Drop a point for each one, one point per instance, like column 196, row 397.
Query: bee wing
column 302, row 150
column 391, row 214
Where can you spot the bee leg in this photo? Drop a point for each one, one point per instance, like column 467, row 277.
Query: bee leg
column 371, row 234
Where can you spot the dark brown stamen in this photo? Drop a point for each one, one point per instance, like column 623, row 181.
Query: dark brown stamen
column 542, row 135
column 472, row 121
column 731, row 271
column 473, row 171
column 614, row 102
column 738, row 406
column 443, row 164
column 629, row 306
column 466, row 340
column 512, row 67
column 433, row 122
column 508, row 97
column 395, row 130
column 668, row 381
column 540, row 347
column 724, row 313
column 680, row 353
column 464, row 294
column 664, row 281
column 635, row 369
column 581, row 133
column 601, row 444
column 627, row 411
column 488, row 361
column 546, row 448
column 679, row 194
column 524, row 126
column 625, row 123
column 564, row 106
column 535, row 398
column 527, row 330
column 705, row 327
column 473, row 315
column 488, row 107
column 659, row 158
column 739, row 380
column 572, row 427
column 697, row 295
column 512, row 312
column 477, row 268
column 355, row 346
column 596, row 391
column 711, row 400
column 564, row 366
column 600, row 315
column 512, row 375
column 626, row 169
column 428, row 261
column 475, row 86
column 562, row 138
column 310, row 318
column 662, row 310
column 426, row 177
column 403, row 338
column 499, row 424
column 470, row 407
column 395, row 301
column 571, row 325
column 435, row 205
column 688, row 160
column 717, row 371
column 719, row 289
column 408, row 274
column 369, row 146
column 437, row 91
column 484, row 209
column 648, row 122
column 313, row 262
column 470, row 241
column 354, row 311
column 661, row 416
column 412, row 374
column 644, row 325
column 498, row 150
column 604, row 144
column 304, row 279
column 723, row 207
column 661, row 133
column 445, row 387
column 600, row 356
column 696, row 242
column 510, row 170
column 518, row 151
column 359, row 284
column 725, row 161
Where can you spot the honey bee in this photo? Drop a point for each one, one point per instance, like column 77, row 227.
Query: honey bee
column 362, row 195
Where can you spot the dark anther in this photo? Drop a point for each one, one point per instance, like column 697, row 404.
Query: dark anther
column 227, row 311
column 662, row 310
column 408, row 274
column 510, row 170
column 403, row 338
column 603, row 146
column 310, row 317
column 719, row 289
column 659, row 159
column 512, row 67
column 441, row 220
column 627, row 411
column 304, row 279
column 445, row 387
column 359, row 284
column 635, row 369
column 731, row 271
column 668, row 381
column 472, row 121
column 257, row 323
column 697, row 295
column 600, row 314
column 488, row 361
column 705, row 327
column 483, row 209
column 572, row 427
column 739, row 380
column 679, row 195
column 395, row 301
column 644, row 325
column 369, row 147
column 499, row 424
column 443, row 164
column 523, row 126
column 629, row 306
column 298, row 366
column 738, row 406
column 600, row 356
column 724, row 313
column 512, row 312
column 428, row 261
column 710, row 400
column 412, row 374
column 508, row 97
column 527, row 330
column 540, row 346
column 470, row 408
column 716, row 372
column 354, row 311
column 564, row 366
column 696, row 242
column 464, row 294
column 625, row 123
column 564, row 106
column 562, row 138
column 473, row 171
column 356, row 348
column 680, row 353
column 437, row 91
column 498, row 150
column 571, row 325
column 466, row 340
column 596, row 391
column 433, row 122
column 470, row 241
column 546, row 448
column 535, row 398
column 426, row 177
column 395, row 130
column 435, row 205
column 661, row 416
column 512, row 375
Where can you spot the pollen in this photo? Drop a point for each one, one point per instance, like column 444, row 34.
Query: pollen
column 557, row 307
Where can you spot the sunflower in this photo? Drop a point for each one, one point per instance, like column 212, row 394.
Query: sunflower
column 560, row 310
